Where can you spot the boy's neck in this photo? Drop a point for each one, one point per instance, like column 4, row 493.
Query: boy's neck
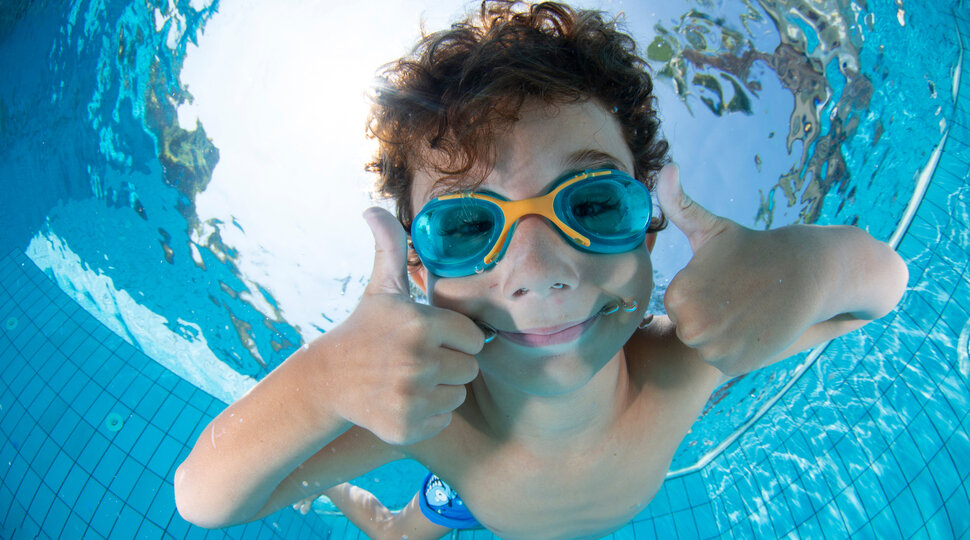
column 555, row 425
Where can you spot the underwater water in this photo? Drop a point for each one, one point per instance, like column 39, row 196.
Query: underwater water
column 169, row 206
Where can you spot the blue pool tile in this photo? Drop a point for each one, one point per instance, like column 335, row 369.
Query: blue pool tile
column 890, row 476
column 120, row 381
column 74, row 527
column 29, row 394
column 28, row 486
column 73, row 485
column 55, row 519
column 851, row 454
column 39, row 403
column 52, row 414
column 29, row 528
column 955, row 315
column 924, row 434
column 907, row 454
column 626, row 533
column 958, row 512
column 780, row 520
column 799, row 503
column 183, row 389
column 153, row 371
column 645, row 529
column 927, row 494
column 870, row 492
column 684, row 525
column 126, row 478
column 58, row 470
column 95, row 448
column 65, row 426
column 904, row 507
column 98, row 410
column 665, row 525
column 677, row 494
column 107, row 513
column 81, row 392
column 138, row 360
column 938, row 526
column 44, row 457
column 181, row 529
column 705, row 521
column 831, row 522
column 850, row 506
column 162, row 506
column 77, row 441
column 129, row 433
column 135, row 391
column 697, row 493
column 87, row 352
column 167, row 380
column 945, row 474
column 145, row 491
column 42, row 499
column 108, row 465
column 187, row 424
column 200, row 400
column 162, row 461
column 128, row 523
column 147, row 444
column 151, row 402
column 89, row 499
column 168, row 412
column 104, row 371
column 15, row 515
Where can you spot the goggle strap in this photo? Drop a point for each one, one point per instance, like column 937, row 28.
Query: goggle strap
column 516, row 210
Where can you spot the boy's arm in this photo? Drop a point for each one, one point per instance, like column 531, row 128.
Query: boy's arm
column 749, row 298
column 395, row 368
column 365, row 511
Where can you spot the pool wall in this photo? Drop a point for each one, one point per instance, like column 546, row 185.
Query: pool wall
column 871, row 442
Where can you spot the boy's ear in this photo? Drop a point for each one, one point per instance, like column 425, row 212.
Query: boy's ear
column 651, row 241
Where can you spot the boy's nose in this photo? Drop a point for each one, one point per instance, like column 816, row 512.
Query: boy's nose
column 538, row 260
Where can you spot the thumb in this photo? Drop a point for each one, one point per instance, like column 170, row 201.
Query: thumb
column 693, row 219
column 389, row 275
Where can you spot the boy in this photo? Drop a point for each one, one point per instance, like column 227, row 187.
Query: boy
column 537, row 388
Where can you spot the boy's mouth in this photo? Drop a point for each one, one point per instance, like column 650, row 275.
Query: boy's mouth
column 553, row 335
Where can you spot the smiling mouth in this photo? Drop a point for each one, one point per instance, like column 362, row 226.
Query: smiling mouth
column 555, row 335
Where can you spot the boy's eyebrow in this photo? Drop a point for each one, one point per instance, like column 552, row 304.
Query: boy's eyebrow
column 579, row 160
column 590, row 158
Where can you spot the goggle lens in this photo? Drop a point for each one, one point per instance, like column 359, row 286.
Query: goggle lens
column 607, row 208
column 454, row 232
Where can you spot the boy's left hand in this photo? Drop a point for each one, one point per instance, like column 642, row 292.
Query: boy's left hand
column 745, row 295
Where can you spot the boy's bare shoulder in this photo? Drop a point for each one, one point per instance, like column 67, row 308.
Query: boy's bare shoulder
column 658, row 359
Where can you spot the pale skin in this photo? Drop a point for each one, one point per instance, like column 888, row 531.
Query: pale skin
column 530, row 436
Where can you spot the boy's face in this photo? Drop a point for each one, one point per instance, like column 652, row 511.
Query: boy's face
column 544, row 295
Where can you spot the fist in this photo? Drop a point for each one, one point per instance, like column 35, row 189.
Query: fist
column 401, row 367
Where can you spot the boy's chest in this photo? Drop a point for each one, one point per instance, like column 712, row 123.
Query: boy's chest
column 569, row 495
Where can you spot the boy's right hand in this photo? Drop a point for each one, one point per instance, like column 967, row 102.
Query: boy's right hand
column 399, row 367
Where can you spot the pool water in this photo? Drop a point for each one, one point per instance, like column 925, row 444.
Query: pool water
column 112, row 276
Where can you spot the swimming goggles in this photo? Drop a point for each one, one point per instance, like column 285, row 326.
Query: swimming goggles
column 598, row 211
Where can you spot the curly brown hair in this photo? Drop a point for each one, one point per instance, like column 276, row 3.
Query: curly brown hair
column 460, row 86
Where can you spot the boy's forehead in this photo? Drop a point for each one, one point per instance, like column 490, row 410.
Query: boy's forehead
column 546, row 141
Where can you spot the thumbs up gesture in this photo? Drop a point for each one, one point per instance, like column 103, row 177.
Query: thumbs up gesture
column 400, row 367
column 745, row 295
